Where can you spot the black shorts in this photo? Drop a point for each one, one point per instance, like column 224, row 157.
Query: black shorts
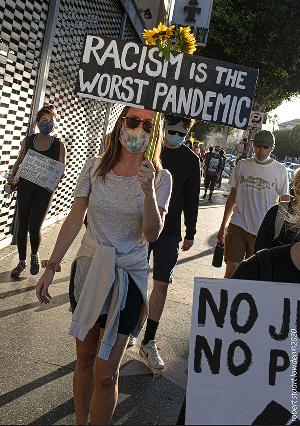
column 129, row 316
column 210, row 182
column 165, row 255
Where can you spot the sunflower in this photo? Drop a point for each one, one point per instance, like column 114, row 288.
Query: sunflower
column 160, row 34
column 185, row 41
column 166, row 38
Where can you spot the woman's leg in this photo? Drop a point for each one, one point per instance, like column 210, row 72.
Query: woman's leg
column 83, row 382
column 106, row 375
column 40, row 205
column 24, row 201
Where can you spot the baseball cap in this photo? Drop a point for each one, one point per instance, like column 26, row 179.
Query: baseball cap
column 264, row 137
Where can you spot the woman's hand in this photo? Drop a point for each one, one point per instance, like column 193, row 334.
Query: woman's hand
column 146, row 176
column 42, row 292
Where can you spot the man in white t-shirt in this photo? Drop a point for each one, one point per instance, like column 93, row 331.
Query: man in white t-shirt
column 256, row 185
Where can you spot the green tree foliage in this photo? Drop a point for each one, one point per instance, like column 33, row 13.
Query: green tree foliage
column 287, row 143
column 263, row 34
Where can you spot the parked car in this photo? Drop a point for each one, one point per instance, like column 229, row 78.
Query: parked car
column 294, row 166
column 284, row 164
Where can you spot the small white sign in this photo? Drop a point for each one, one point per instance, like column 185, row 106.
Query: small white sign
column 196, row 14
column 256, row 120
column 41, row 170
column 244, row 357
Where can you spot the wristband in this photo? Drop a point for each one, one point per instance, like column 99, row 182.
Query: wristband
column 51, row 266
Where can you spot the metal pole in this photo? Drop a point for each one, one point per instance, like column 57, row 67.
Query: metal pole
column 43, row 72
column 109, row 105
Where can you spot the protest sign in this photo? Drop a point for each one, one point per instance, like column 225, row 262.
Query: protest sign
column 41, row 170
column 243, row 359
column 187, row 85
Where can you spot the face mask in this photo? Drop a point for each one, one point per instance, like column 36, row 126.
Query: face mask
column 46, row 128
column 134, row 140
column 263, row 161
column 174, row 140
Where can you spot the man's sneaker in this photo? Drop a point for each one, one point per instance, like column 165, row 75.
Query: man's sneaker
column 210, row 200
column 131, row 342
column 150, row 354
column 18, row 270
column 34, row 264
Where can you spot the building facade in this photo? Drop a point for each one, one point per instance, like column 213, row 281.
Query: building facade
column 289, row 125
column 40, row 47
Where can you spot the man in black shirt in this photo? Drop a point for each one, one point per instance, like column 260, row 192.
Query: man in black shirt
column 212, row 167
column 184, row 167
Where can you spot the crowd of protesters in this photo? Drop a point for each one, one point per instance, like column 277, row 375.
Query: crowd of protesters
column 133, row 209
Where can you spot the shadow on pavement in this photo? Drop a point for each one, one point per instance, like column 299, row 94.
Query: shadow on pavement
column 147, row 400
column 58, row 413
column 8, row 397
column 6, row 278
column 55, row 301
column 17, row 291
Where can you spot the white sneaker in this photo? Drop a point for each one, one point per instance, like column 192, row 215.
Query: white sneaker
column 150, row 354
column 131, row 342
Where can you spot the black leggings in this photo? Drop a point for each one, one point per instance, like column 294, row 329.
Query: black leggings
column 33, row 203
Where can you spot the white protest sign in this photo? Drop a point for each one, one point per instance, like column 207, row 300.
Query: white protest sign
column 243, row 359
column 190, row 86
column 41, row 170
column 196, row 14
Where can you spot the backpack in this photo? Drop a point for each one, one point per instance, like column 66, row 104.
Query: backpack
column 280, row 218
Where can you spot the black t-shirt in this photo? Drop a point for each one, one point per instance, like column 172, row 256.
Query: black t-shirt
column 213, row 164
column 184, row 167
column 283, row 268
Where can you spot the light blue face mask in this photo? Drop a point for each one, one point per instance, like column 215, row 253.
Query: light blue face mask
column 174, row 140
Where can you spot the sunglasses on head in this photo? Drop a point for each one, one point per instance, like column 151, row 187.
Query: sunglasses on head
column 173, row 132
column 134, row 122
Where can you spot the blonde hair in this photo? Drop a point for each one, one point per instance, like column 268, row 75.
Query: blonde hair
column 112, row 154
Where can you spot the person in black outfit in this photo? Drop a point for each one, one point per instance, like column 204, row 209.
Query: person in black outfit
column 184, row 167
column 278, row 264
column 32, row 200
column 212, row 166
column 278, row 217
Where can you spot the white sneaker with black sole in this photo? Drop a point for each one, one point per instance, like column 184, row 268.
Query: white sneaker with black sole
column 150, row 354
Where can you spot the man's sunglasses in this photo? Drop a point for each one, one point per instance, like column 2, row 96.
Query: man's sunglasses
column 173, row 132
column 134, row 122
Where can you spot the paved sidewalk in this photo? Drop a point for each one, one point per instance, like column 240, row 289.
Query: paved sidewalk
column 37, row 355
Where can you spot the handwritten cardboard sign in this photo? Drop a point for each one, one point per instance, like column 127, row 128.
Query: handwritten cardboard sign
column 244, row 353
column 41, row 170
column 187, row 85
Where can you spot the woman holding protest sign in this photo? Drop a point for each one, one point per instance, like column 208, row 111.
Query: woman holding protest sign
column 126, row 198
column 32, row 200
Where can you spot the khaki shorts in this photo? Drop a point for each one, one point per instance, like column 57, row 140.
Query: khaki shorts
column 239, row 244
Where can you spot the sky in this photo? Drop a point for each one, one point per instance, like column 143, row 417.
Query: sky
column 288, row 110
